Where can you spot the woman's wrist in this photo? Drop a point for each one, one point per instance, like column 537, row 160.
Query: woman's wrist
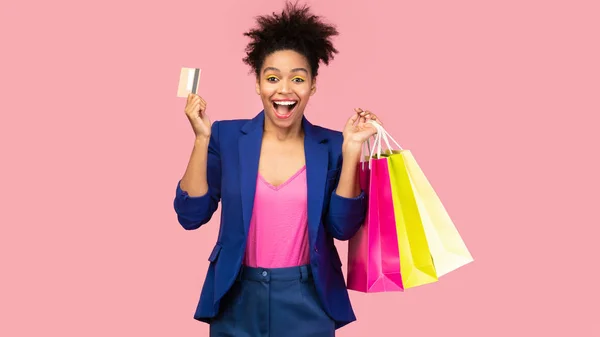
column 202, row 141
column 351, row 152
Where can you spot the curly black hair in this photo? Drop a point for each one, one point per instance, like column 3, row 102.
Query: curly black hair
column 295, row 28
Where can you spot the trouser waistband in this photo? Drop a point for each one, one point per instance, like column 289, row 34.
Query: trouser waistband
column 301, row 273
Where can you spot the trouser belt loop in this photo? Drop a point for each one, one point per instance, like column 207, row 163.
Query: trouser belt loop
column 303, row 273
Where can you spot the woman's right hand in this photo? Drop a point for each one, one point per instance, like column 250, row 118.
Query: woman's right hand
column 195, row 110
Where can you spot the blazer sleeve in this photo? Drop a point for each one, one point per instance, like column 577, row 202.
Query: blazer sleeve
column 345, row 215
column 194, row 211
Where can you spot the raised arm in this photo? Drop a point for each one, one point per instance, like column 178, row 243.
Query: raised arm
column 348, row 204
column 199, row 191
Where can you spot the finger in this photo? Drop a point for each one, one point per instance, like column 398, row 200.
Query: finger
column 193, row 109
column 352, row 120
column 371, row 116
column 375, row 118
column 195, row 103
column 361, row 112
column 363, row 118
column 364, row 114
column 197, row 107
column 189, row 108
column 366, row 132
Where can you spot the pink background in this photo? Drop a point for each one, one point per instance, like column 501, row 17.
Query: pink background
column 498, row 100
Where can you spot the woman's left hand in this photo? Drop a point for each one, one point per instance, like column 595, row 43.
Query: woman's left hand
column 357, row 131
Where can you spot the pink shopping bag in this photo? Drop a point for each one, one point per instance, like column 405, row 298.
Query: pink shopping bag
column 373, row 254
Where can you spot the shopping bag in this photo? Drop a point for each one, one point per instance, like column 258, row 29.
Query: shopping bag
column 421, row 207
column 373, row 255
column 416, row 261
column 446, row 245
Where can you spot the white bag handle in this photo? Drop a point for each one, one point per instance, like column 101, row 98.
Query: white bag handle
column 366, row 149
column 381, row 134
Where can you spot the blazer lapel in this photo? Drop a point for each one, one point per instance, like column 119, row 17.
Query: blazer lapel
column 317, row 158
column 249, row 153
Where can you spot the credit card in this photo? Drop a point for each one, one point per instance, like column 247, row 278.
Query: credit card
column 189, row 80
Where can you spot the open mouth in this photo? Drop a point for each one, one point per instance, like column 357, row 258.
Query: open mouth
column 284, row 109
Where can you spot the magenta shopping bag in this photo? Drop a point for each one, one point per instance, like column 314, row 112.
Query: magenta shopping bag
column 373, row 254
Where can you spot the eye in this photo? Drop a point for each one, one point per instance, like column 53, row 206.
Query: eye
column 272, row 79
column 298, row 79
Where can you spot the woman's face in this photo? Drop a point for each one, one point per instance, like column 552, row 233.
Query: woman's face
column 285, row 85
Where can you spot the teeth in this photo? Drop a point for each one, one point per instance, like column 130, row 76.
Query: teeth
column 285, row 103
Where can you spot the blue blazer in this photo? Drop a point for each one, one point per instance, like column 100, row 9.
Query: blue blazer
column 233, row 156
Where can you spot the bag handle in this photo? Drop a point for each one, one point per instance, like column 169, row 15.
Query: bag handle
column 366, row 150
column 381, row 135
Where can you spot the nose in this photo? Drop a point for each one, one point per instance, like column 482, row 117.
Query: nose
column 284, row 87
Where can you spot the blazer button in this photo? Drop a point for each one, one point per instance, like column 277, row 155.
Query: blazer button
column 316, row 250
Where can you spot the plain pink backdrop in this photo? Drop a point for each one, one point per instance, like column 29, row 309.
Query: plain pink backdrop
column 498, row 101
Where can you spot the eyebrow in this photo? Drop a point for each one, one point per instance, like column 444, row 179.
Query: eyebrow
column 293, row 70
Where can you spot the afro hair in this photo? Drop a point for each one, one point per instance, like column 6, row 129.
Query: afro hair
column 295, row 28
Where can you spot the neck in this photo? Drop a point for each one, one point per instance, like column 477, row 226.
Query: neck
column 293, row 132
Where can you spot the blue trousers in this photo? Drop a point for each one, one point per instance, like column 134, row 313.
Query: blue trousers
column 279, row 302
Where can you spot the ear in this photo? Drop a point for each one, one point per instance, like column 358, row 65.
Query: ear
column 313, row 87
column 257, row 86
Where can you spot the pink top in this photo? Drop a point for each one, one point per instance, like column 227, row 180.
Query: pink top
column 278, row 235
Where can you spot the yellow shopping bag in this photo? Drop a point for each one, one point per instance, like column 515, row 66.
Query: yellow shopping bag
column 416, row 263
column 447, row 248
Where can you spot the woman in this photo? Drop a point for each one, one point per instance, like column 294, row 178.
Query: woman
column 287, row 188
